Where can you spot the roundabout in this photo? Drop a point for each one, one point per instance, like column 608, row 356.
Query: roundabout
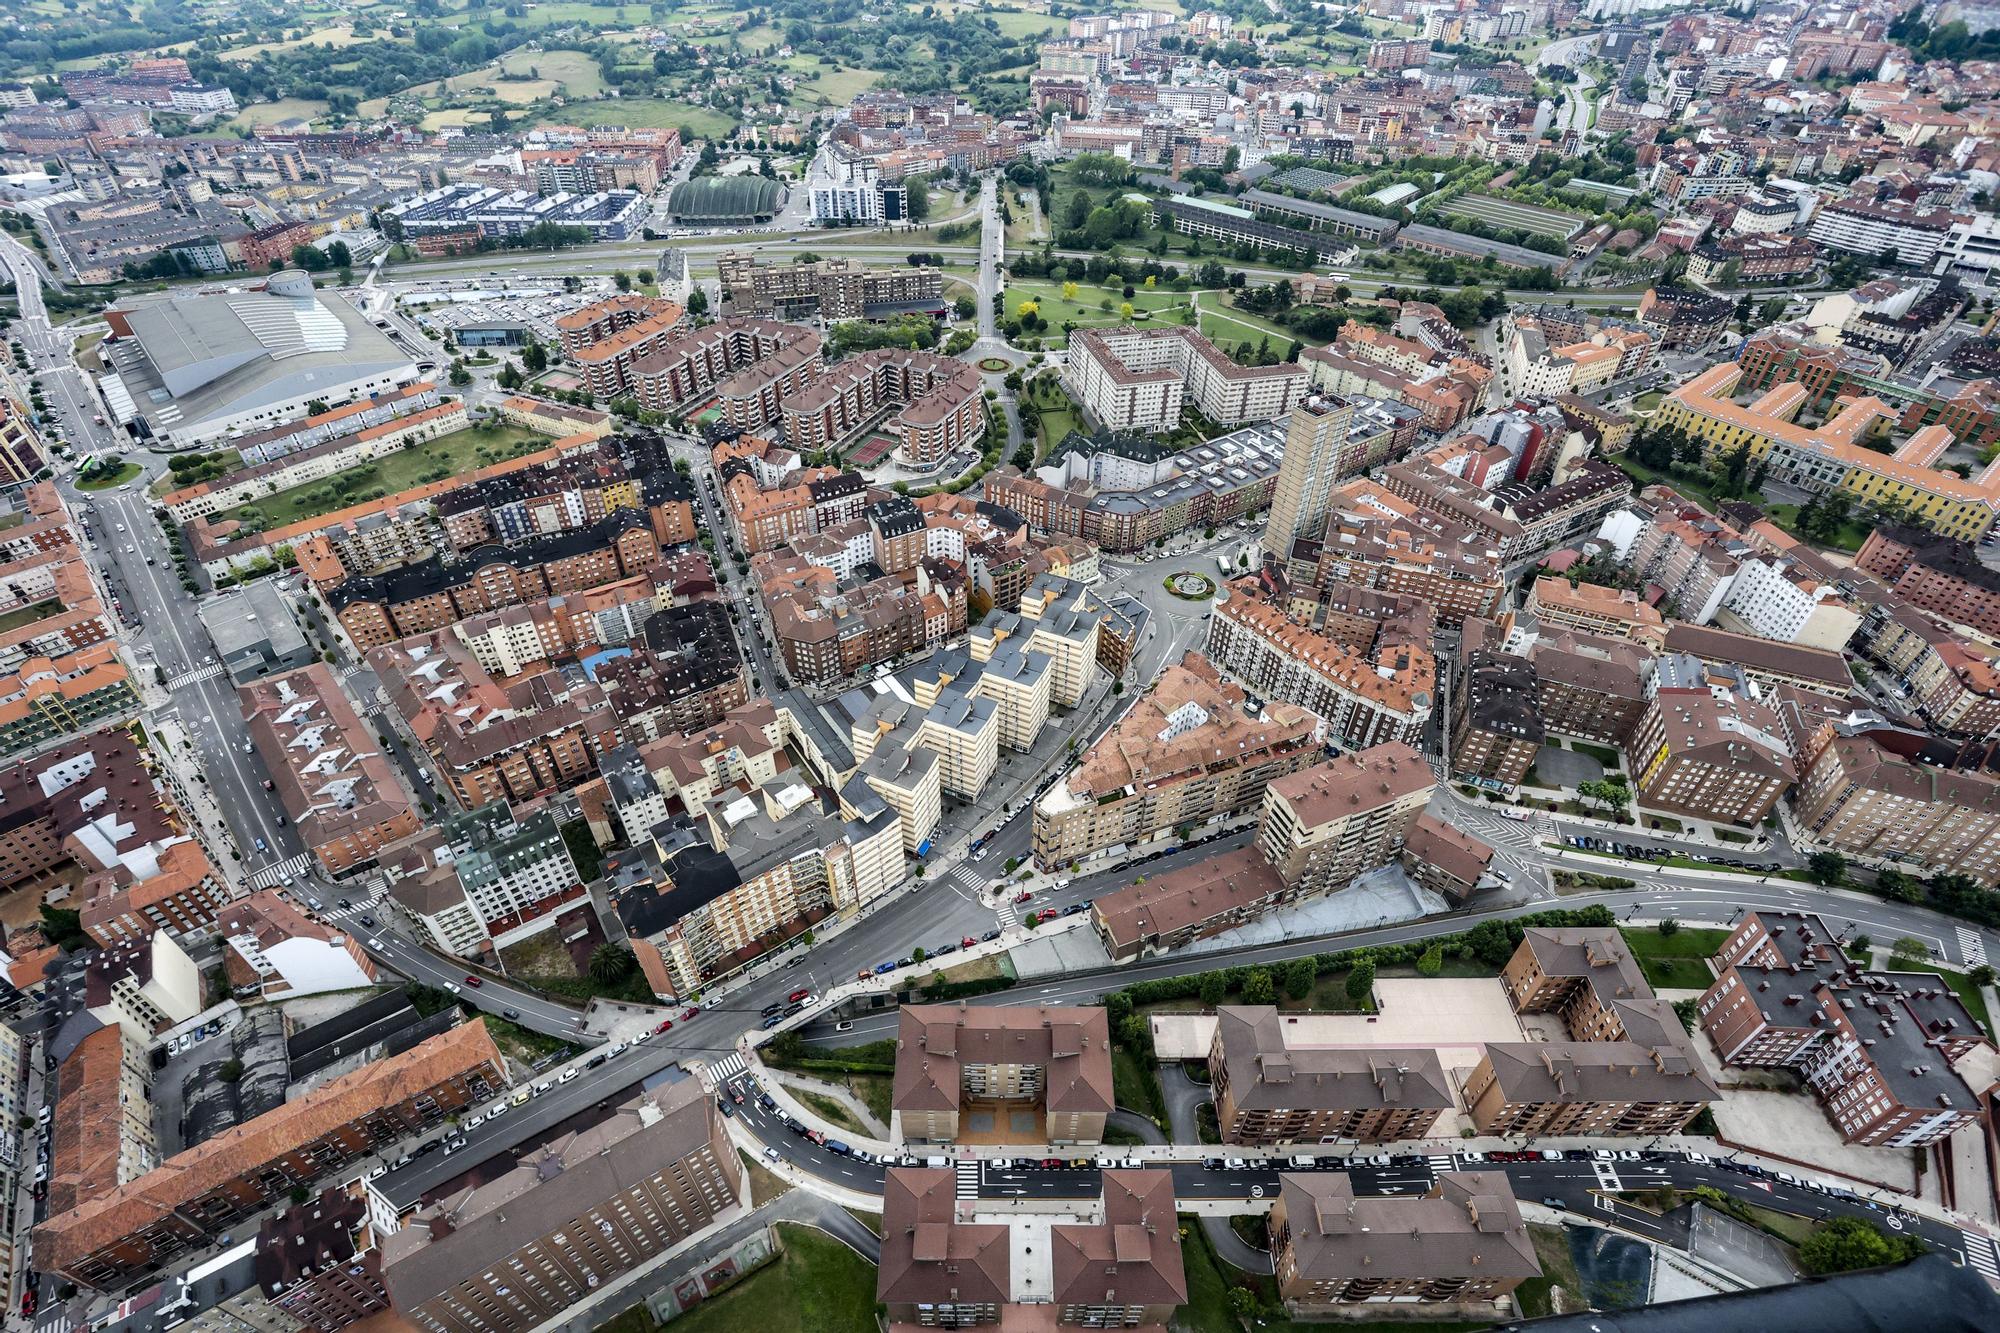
column 1190, row 586
column 994, row 365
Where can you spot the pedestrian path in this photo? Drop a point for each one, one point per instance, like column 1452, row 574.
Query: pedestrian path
column 1005, row 911
column 968, row 1177
column 263, row 877
column 964, row 876
column 1442, row 1162
column 719, row 1072
column 194, row 677
column 1973, row 945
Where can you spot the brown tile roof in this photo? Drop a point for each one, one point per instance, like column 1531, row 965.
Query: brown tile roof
column 67, row 1237
column 1132, row 1257
column 1467, row 1226
column 1267, row 1070
column 1340, row 787
column 1073, row 1045
column 1145, row 746
column 1452, row 850
column 928, row 1256
column 1187, row 895
column 88, row 1122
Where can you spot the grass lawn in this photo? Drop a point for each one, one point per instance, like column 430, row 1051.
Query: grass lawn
column 1603, row 754
column 577, row 72
column 1552, row 1248
column 433, row 460
column 833, row 1111
column 644, row 113
column 827, row 85
column 1020, row 25
column 106, row 480
column 1083, row 308
column 1648, row 400
column 1221, row 323
column 1676, row 961
column 764, row 1186
column 270, row 113
column 817, row 1286
column 1968, row 994
column 28, row 615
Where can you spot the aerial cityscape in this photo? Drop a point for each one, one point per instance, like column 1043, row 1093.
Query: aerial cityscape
column 854, row 666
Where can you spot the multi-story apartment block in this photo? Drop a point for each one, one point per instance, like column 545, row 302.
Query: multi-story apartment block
column 1585, row 685
column 944, row 1266
column 749, row 367
column 278, row 951
column 828, row 289
column 174, row 888
column 1684, row 319
column 498, row 880
column 1141, row 379
column 932, row 404
column 1054, row 1064
column 1364, row 698
column 183, row 1203
column 606, row 338
column 1952, row 681
column 1615, row 613
column 1717, row 758
column 1879, row 1049
column 1941, row 575
column 1870, row 227
column 1462, row 1242
column 584, row 1207
column 1324, row 825
column 1186, row 753
column 1498, row 730
column 1316, row 459
column 1888, row 797
column 101, row 1134
column 340, row 789
column 1376, row 539
column 1627, row 1069
column 1274, row 1085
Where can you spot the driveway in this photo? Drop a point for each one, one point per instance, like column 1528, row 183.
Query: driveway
column 1134, row 1123
column 1184, row 1096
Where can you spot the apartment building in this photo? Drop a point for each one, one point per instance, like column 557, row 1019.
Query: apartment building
column 1188, row 903
column 1445, row 859
column 1768, row 664
column 1462, row 1242
column 930, row 405
column 748, row 366
column 1627, row 1069
column 607, row 338
column 493, row 742
column 1141, row 379
column 1059, row 618
column 276, row 951
column 584, row 1206
column 827, row 289
column 1365, row 699
column 1376, row 539
column 708, row 894
column 1585, row 685
column 182, row 1204
column 1879, row 1049
column 172, row 887
column 1188, row 752
column 1274, row 1085
column 1951, row 681
column 1324, row 825
column 1683, row 319
column 1316, row 458
column 498, row 879
column 954, row 1059
column 962, row 728
column 1498, row 729
column 1889, row 796
column 1614, row 613
column 1709, row 754
column 946, row 1266
column 101, row 1134
column 1871, row 227
column 340, row 789
column 1941, row 575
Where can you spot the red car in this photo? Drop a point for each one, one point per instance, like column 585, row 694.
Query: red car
column 1024, row 895
column 473, row 981
column 689, row 1014
column 797, row 995
column 666, row 1025
column 967, row 942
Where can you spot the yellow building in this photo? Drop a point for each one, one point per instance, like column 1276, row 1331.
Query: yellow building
column 1834, row 456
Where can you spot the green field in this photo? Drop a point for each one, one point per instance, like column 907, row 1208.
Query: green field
column 577, row 72
column 1222, row 323
column 827, row 85
column 1676, row 961
column 270, row 113
column 817, row 1286
column 644, row 114
column 446, row 456
column 1084, row 308
column 1021, row 25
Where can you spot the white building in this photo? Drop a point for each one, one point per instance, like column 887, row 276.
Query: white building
column 1774, row 600
column 1864, row 227
column 846, row 188
column 201, row 99
column 1140, row 379
column 1972, row 251
column 494, row 880
column 283, row 952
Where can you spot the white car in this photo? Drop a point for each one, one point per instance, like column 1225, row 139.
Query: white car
column 772, row 1155
column 567, row 1075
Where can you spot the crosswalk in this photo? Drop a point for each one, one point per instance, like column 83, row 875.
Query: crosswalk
column 719, row 1072
column 61, row 1323
column 194, row 677
column 1442, row 1162
column 968, row 1178
column 1980, row 1253
column 1973, row 945
column 1005, row 911
column 1516, row 833
column 964, row 876
column 263, row 877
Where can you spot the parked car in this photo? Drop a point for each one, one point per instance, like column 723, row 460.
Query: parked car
column 473, row 981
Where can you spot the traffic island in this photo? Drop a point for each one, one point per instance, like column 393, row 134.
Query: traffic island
column 1190, row 586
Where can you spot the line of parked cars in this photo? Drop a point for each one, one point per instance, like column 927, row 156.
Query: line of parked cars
column 1633, row 851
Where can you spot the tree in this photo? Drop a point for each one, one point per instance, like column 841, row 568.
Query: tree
column 1846, row 1244
column 622, row 280
column 1300, row 974
column 1432, row 962
column 697, row 302
column 1908, row 951
column 1361, row 980
column 1242, row 1302
column 611, row 964
column 1827, row 867
column 919, row 197
column 1214, row 988
column 1257, row 987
